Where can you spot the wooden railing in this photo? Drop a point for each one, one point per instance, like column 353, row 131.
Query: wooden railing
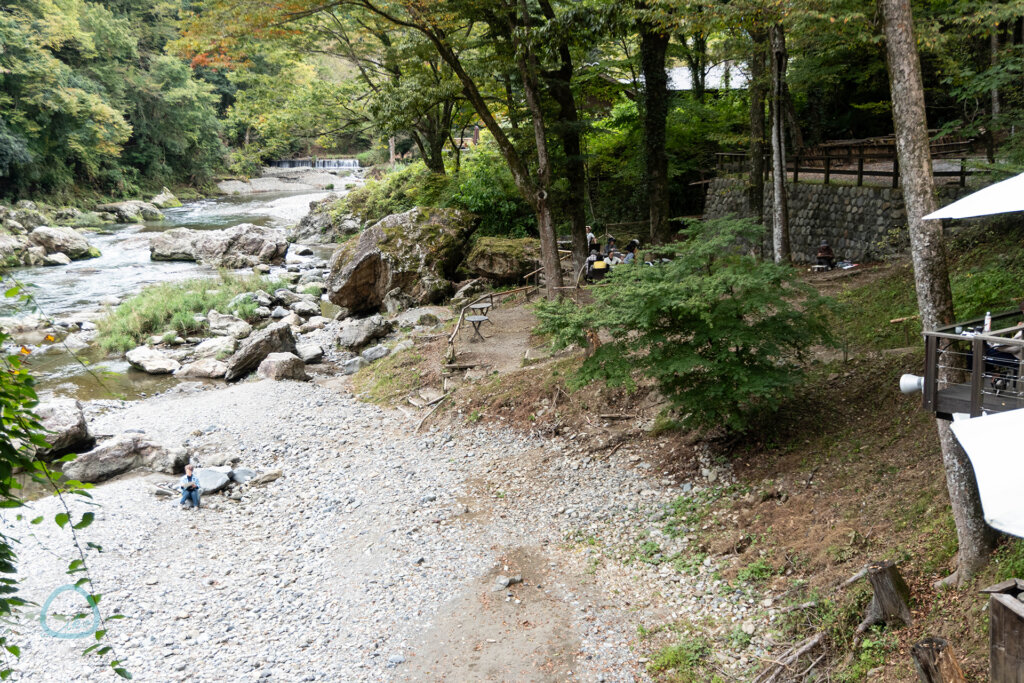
column 829, row 167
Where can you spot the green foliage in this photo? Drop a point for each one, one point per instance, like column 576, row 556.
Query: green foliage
column 175, row 305
column 683, row 659
column 484, row 186
column 1009, row 559
column 758, row 571
column 722, row 333
column 88, row 101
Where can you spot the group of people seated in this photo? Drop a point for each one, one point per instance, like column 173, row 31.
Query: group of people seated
column 601, row 260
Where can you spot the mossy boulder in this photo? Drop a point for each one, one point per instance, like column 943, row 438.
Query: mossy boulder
column 416, row 252
column 503, row 260
column 326, row 223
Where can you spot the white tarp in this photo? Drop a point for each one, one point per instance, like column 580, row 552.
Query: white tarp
column 995, row 445
column 1006, row 196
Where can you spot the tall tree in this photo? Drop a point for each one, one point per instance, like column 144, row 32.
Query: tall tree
column 653, row 46
column 780, row 211
column 931, row 276
column 758, row 91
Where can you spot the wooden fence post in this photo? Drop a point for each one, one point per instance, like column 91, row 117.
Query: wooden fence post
column 935, row 662
column 1006, row 631
column 860, row 170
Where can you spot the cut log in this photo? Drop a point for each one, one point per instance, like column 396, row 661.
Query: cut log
column 891, row 594
column 935, row 662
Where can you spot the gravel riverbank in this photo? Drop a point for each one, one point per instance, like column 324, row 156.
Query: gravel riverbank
column 373, row 557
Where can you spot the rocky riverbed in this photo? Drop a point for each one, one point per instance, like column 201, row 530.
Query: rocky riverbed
column 374, row 556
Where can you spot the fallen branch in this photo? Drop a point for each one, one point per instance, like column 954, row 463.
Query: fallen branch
column 793, row 608
column 789, row 658
column 438, row 405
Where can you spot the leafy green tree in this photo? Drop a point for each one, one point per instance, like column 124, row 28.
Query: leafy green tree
column 723, row 333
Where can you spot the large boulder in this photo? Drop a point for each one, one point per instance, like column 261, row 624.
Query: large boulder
column 216, row 347
column 503, row 260
column 276, row 338
column 213, row 479
column 132, row 211
column 278, row 366
column 325, row 223
column 355, row 334
column 165, row 200
column 121, row 454
column 13, row 249
column 63, row 241
column 204, row 368
column 416, row 252
column 228, row 325
column 242, row 246
column 150, row 360
column 63, row 418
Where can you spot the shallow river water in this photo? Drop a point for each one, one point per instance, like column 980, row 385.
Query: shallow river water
column 78, row 291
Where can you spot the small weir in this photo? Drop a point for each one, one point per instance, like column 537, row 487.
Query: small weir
column 316, row 163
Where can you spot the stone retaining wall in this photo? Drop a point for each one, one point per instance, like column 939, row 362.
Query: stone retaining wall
column 861, row 223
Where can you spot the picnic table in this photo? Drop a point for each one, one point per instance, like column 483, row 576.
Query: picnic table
column 477, row 321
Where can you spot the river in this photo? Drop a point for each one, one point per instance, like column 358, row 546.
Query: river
column 79, row 291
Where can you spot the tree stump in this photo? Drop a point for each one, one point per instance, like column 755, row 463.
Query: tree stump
column 935, row 662
column 891, row 594
column 1006, row 631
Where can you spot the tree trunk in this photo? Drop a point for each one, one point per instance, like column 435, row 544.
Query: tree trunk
column 758, row 91
column 391, row 150
column 560, row 86
column 526, row 62
column 935, row 662
column 653, row 46
column 780, row 212
column 993, row 46
column 889, row 604
column 931, row 276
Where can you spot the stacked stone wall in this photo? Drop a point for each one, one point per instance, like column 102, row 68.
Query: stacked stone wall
column 861, row 223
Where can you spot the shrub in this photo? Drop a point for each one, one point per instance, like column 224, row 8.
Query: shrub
column 175, row 305
column 721, row 332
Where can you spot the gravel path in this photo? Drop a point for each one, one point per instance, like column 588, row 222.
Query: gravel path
column 372, row 558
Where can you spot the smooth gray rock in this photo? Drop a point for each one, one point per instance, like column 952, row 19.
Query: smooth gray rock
column 353, row 365
column 375, row 352
column 132, row 211
column 152, row 361
column 281, row 366
column 356, row 334
column 242, row 246
column 306, row 309
column 212, row 479
column 279, row 312
column 58, row 259
column 276, row 338
column 63, row 417
column 63, row 240
column 310, row 352
column 121, row 454
column 228, row 325
column 204, row 368
column 216, row 346
column 242, row 475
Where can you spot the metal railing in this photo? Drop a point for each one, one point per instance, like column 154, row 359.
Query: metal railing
column 971, row 371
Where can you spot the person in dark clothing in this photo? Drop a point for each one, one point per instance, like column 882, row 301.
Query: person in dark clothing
column 826, row 257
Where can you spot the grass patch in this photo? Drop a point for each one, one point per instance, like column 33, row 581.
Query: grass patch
column 682, row 660
column 758, row 571
column 390, row 379
column 158, row 309
column 1009, row 559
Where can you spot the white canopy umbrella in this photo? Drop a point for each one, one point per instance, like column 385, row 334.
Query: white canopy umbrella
column 994, row 445
column 1005, row 196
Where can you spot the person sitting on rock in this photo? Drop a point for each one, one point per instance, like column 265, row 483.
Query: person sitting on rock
column 826, row 257
column 189, row 488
